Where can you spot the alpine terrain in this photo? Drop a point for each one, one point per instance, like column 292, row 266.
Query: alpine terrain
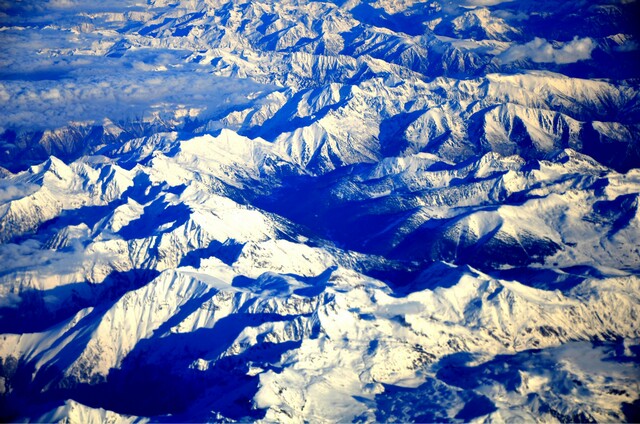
column 319, row 211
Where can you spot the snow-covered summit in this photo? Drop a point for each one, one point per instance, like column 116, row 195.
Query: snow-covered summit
column 319, row 211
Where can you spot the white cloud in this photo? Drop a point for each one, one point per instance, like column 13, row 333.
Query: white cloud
column 123, row 95
column 10, row 300
column 541, row 51
column 626, row 46
column 51, row 75
column 484, row 3
column 10, row 190
column 509, row 15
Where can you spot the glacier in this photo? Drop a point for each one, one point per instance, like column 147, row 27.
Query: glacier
column 319, row 211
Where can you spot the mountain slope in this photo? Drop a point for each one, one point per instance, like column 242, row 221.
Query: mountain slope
column 293, row 211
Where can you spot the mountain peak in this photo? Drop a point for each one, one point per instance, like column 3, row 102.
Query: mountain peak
column 368, row 211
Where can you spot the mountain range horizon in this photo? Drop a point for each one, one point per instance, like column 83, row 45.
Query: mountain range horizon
column 319, row 211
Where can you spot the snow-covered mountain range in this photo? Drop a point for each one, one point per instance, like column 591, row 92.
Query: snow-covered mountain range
column 319, row 211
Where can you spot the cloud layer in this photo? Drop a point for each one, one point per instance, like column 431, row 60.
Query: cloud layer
column 484, row 3
column 540, row 50
column 120, row 95
column 58, row 66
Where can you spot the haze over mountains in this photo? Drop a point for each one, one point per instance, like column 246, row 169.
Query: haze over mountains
column 319, row 211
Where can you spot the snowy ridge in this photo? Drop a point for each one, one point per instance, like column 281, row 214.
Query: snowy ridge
column 289, row 47
column 208, row 261
column 76, row 413
column 319, row 211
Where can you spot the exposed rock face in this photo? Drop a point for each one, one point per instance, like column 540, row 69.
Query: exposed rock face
column 316, row 211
